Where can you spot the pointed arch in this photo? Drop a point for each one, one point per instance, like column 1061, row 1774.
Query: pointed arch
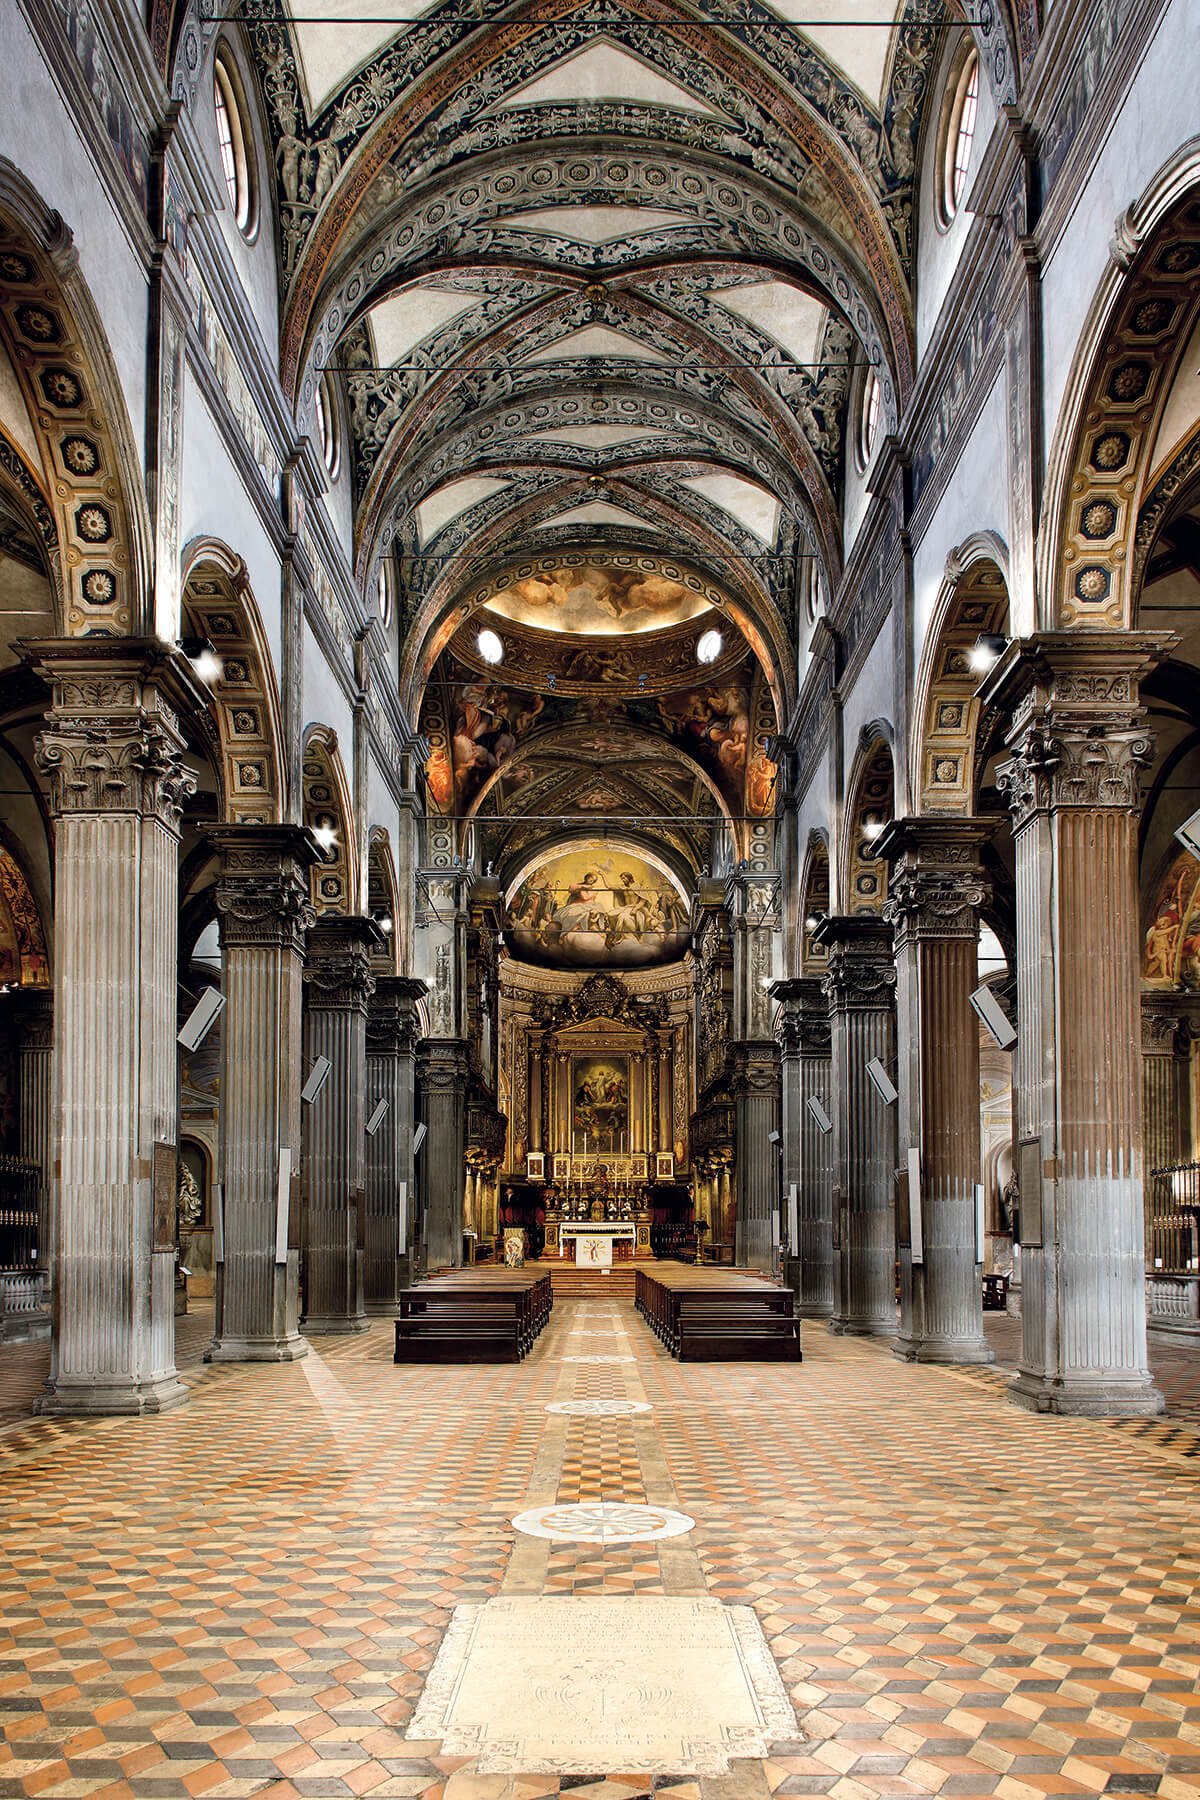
column 218, row 605
column 91, row 472
column 329, row 812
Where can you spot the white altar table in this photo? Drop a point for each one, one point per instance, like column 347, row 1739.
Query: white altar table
column 597, row 1236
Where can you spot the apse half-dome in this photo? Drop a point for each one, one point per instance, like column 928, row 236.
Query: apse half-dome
column 597, row 905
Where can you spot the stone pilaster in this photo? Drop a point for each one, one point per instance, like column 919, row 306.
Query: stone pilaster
column 442, row 1065
column 392, row 1030
column 754, row 1083
column 264, row 910
column 860, row 984
column 338, row 983
column 936, row 891
column 112, row 752
column 1167, row 1025
column 1078, row 743
column 804, row 1041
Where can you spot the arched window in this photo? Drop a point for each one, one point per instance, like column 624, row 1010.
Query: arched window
column 233, row 136
column 868, row 418
column 962, row 107
column 327, row 425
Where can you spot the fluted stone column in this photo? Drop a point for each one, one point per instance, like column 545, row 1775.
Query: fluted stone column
column 392, row 1029
column 804, row 1041
column 264, row 909
column 860, row 984
column 338, row 983
column 442, row 1066
column 754, row 1080
column 113, row 753
column 34, row 1018
column 1166, row 1018
column 936, row 891
column 1078, row 742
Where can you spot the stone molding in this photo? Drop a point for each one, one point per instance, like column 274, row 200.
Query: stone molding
column 803, row 1027
column 262, row 891
column 861, row 972
column 442, row 1065
column 936, row 884
column 393, row 1026
column 1078, row 732
column 338, row 976
column 753, row 1067
column 1170, row 1019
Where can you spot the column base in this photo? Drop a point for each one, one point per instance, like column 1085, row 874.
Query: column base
column 875, row 1328
column 812, row 1310
column 944, row 1350
column 332, row 1324
column 92, row 1400
column 1086, row 1399
column 383, row 1309
column 255, row 1349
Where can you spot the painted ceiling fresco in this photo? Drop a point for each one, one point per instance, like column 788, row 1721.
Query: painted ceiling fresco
column 1171, row 947
column 593, row 294
column 598, row 599
column 597, row 905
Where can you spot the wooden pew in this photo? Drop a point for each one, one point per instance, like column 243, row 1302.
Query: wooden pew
column 700, row 1317
column 472, row 1316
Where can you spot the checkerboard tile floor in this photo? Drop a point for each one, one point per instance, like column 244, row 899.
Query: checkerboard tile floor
column 245, row 1597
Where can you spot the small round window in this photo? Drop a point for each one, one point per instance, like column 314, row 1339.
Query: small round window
column 868, row 418
column 233, row 138
column 962, row 108
column 327, row 425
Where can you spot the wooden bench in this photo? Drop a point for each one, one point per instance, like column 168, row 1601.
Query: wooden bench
column 732, row 1318
column 473, row 1316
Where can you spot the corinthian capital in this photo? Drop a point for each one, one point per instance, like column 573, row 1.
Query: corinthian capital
column 861, row 972
column 936, row 884
column 262, row 890
column 337, row 972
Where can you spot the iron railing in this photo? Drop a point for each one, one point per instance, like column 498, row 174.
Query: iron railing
column 1173, row 1220
column 20, row 1184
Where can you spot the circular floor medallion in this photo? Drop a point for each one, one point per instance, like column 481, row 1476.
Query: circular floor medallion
column 603, row 1523
column 598, row 1409
column 600, row 1359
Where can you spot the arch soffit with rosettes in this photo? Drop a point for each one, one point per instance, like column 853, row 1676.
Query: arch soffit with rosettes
column 815, row 900
column 326, row 797
column 90, row 479
column 1142, row 323
column 947, row 711
column 871, row 791
column 218, row 602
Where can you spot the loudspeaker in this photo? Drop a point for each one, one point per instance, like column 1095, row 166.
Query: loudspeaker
column 318, row 1075
column 996, row 1021
column 823, row 1120
column 200, row 1019
column 882, row 1082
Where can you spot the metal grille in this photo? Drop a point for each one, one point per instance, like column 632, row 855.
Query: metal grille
column 19, row 1185
column 1173, row 1220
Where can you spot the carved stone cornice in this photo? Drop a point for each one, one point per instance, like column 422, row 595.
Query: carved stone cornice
column 936, row 884
column 599, row 997
column 1170, row 1019
column 753, row 1066
column 1077, row 731
column 338, row 976
column 393, row 1025
column 861, row 972
column 262, row 891
column 442, row 1065
column 113, row 741
column 802, row 1028
column 32, row 1015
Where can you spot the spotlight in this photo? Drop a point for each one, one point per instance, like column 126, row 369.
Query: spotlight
column 710, row 646
column 489, row 646
column 986, row 652
column 385, row 924
column 811, row 923
column 203, row 657
column 325, row 833
column 872, row 827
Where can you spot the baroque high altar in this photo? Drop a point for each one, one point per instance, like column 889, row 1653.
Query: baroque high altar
column 599, row 1097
